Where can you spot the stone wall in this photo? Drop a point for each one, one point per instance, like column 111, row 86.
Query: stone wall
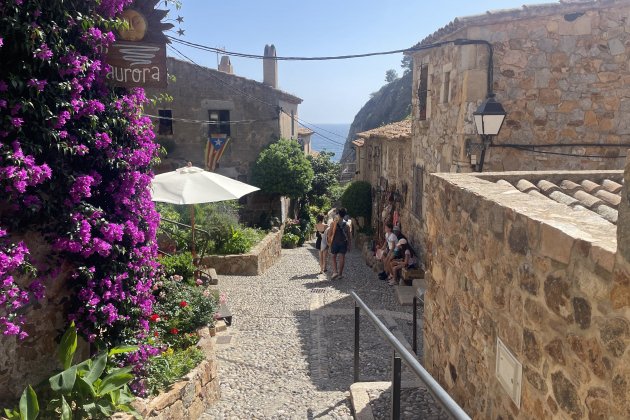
column 254, row 263
column 560, row 71
column 29, row 361
column 188, row 398
column 537, row 275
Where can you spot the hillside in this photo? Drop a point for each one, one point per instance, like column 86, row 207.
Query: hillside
column 391, row 103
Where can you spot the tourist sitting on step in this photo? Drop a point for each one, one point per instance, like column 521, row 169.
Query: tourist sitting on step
column 410, row 261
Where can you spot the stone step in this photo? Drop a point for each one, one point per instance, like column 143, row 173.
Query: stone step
column 209, row 276
column 405, row 295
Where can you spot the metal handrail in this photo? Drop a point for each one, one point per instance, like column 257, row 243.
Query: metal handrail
column 436, row 390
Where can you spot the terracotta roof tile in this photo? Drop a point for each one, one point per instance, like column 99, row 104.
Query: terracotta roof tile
column 396, row 131
column 358, row 142
column 579, row 194
column 303, row 131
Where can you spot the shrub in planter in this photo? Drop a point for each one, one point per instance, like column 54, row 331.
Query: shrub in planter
column 357, row 199
column 178, row 264
column 170, row 366
column 289, row 240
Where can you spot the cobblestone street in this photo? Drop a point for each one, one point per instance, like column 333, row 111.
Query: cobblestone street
column 288, row 353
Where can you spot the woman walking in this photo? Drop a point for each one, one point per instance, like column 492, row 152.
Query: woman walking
column 320, row 243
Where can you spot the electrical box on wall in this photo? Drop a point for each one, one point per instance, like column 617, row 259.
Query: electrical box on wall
column 509, row 372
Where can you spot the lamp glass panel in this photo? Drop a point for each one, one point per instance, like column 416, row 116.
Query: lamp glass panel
column 479, row 123
column 492, row 124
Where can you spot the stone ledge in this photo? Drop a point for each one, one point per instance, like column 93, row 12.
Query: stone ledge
column 253, row 263
column 188, row 398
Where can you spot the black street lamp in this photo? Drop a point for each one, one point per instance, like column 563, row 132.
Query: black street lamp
column 489, row 119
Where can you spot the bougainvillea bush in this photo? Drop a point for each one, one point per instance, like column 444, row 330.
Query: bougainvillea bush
column 75, row 166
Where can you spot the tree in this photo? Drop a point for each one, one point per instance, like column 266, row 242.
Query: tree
column 357, row 199
column 283, row 169
column 326, row 174
column 406, row 64
column 391, row 75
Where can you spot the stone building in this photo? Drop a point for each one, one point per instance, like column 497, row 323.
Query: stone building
column 528, row 308
column 304, row 138
column 559, row 70
column 208, row 102
column 383, row 158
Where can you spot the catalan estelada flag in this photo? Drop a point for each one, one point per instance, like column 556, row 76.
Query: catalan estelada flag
column 214, row 149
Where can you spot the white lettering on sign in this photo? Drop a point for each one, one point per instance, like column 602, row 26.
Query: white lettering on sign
column 139, row 54
column 121, row 74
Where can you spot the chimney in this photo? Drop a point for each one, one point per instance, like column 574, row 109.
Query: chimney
column 270, row 67
column 226, row 66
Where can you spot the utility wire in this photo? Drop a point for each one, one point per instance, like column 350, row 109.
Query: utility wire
column 209, row 73
column 293, row 58
column 188, row 120
column 528, row 149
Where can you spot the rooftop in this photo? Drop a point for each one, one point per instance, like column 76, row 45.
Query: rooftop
column 396, row 131
column 524, row 12
column 580, row 204
column 225, row 77
column 303, row 131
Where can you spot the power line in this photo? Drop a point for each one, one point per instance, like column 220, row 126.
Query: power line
column 209, row 72
column 294, row 58
column 188, row 120
column 526, row 149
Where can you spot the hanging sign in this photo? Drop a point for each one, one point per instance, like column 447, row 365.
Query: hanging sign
column 138, row 57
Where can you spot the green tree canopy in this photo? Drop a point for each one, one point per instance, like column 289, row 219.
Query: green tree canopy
column 357, row 199
column 283, row 169
column 391, row 75
column 326, row 174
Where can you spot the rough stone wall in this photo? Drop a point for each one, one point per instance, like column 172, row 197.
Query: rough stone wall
column 254, row 263
column 562, row 76
column 198, row 90
column 34, row 359
column 538, row 276
column 188, row 398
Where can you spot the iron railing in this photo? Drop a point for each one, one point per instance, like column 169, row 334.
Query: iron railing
column 401, row 354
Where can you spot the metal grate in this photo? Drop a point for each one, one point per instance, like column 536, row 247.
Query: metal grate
column 318, row 290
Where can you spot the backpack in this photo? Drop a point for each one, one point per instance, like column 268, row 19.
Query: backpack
column 333, row 229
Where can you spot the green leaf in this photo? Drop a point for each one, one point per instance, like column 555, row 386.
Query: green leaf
column 115, row 380
column 122, row 349
column 90, row 409
column 11, row 414
column 84, row 389
column 66, row 411
column 98, row 366
column 105, row 407
column 29, row 406
column 64, row 382
column 68, row 346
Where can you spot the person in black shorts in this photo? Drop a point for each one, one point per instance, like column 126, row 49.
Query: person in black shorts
column 341, row 242
column 320, row 243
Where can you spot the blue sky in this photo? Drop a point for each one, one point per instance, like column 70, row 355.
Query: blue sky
column 333, row 91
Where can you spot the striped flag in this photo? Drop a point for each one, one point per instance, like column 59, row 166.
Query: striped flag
column 214, row 150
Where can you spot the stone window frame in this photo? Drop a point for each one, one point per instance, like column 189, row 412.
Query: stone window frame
column 165, row 122
column 418, row 190
column 447, row 85
column 224, row 126
column 423, row 92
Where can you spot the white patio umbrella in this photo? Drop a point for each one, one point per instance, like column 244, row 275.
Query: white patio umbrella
column 192, row 185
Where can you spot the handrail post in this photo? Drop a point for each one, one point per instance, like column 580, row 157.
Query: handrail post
column 415, row 324
column 396, row 386
column 357, row 313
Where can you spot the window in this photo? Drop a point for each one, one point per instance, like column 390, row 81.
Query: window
column 165, row 127
column 292, row 124
column 219, row 122
column 418, row 187
column 446, row 87
column 423, row 89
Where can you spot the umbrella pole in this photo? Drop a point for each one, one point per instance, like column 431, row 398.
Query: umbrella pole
column 192, row 225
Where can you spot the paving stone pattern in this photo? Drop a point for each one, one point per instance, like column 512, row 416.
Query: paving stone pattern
column 415, row 403
column 291, row 347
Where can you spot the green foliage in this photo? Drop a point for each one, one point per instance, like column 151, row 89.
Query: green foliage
column 171, row 365
column 180, row 309
column 290, row 240
column 326, row 174
column 178, row 264
column 391, row 75
column 283, row 169
column 242, row 241
column 336, row 192
column 357, row 199
column 90, row 389
column 406, row 64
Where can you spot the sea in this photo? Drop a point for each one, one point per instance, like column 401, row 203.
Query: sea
column 327, row 136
